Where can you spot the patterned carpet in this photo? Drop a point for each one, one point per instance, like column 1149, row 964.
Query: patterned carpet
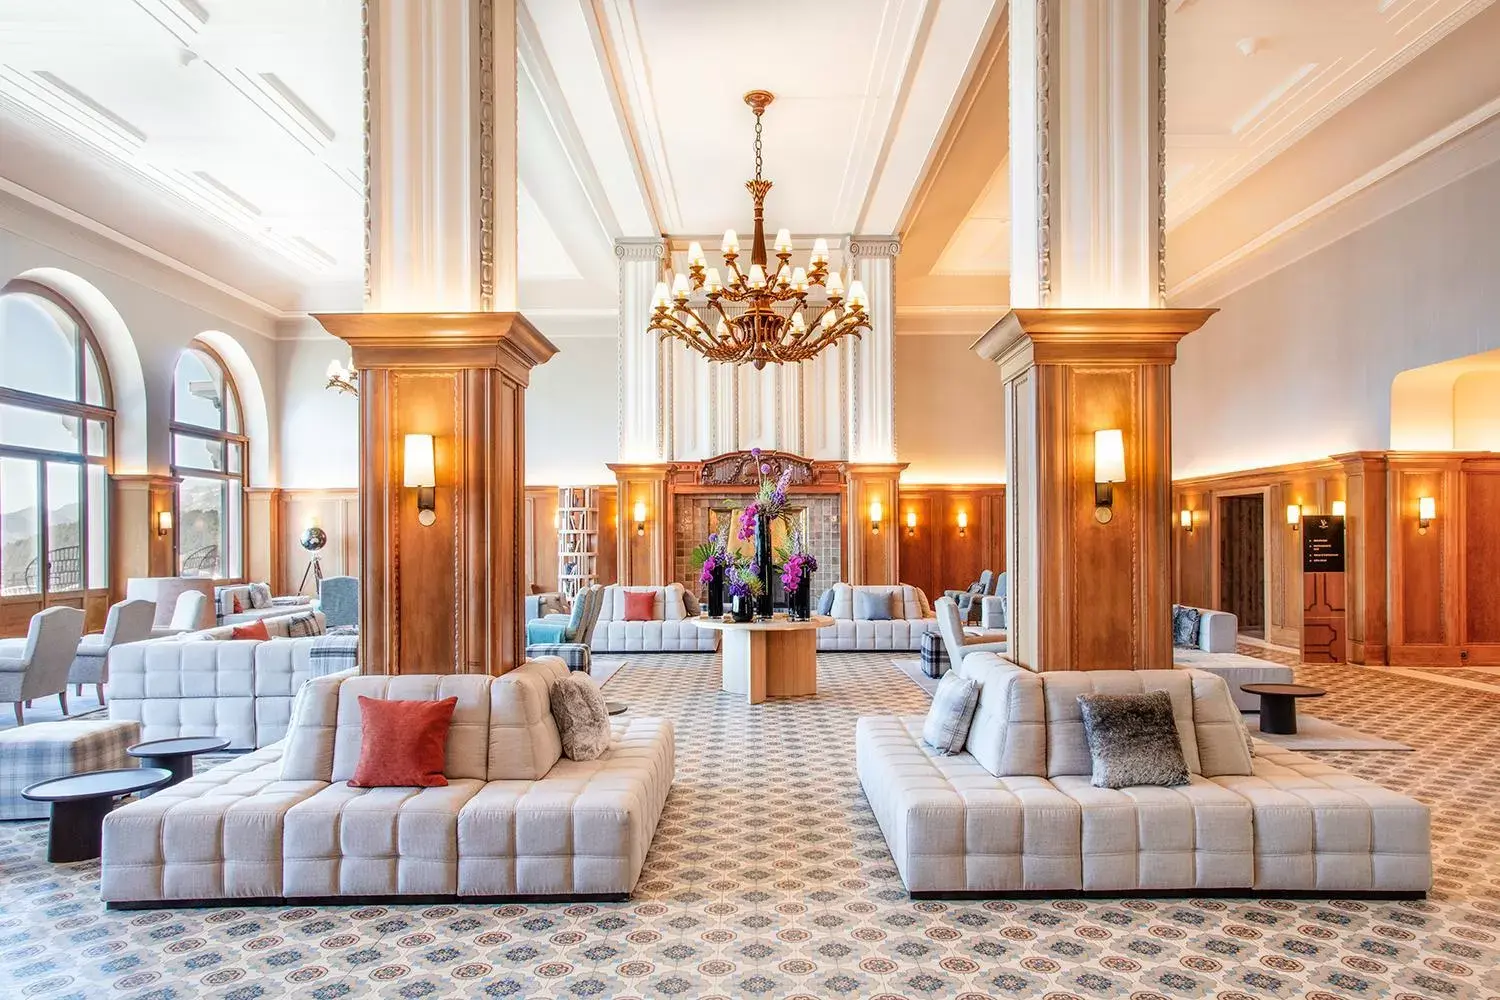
column 769, row 878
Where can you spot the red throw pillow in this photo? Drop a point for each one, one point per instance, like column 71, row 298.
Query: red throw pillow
column 638, row 605
column 402, row 743
column 238, row 607
column 255, row 630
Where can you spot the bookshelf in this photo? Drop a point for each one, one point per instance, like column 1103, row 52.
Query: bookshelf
column 577, row 538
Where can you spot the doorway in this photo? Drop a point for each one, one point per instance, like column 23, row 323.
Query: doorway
column 1242, row 561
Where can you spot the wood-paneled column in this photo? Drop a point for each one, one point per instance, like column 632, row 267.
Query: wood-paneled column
column 644, row 556
column 872, row 557
column 1084, row 594
column 1365, row 554
column 263, row 552
column 137, row 548
column 445, row 597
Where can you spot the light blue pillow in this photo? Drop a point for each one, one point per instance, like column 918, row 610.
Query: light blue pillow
column 825, row 602
column 947, row 727
column 873, row 605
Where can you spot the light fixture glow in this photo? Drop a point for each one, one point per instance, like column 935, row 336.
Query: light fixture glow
column 1426, row 513
column 1109, row 468
column 1340, row 508
column 163, row 522
column 911, row 523
column 1294, row 515
column 639, row 512
column 963, row 523
column 1186, row 519
column 877, row 514
column 419, row 472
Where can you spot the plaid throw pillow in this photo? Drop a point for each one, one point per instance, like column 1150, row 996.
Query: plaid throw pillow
column 302, row 626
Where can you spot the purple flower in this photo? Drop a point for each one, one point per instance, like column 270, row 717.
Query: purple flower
column 755, row 453
column 765, row 469
column 755, row 569
column 713, row 537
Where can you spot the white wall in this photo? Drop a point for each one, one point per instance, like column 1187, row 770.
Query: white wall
column 1476, row 411
column 949, row 411
column 572, row 419
column 319, row 427
column 1300, row 364
column 164, row 311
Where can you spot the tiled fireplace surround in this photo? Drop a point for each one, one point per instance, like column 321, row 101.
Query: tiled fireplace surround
column 824, row 523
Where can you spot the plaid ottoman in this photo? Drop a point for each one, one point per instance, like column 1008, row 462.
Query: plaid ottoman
column 577, row 655
column 934, row 655
column 44, row 750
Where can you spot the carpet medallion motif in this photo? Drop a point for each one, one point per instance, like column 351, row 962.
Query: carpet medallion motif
column 769, row 878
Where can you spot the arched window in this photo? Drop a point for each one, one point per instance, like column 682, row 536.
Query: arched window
column 209, row 462
column 56, row 438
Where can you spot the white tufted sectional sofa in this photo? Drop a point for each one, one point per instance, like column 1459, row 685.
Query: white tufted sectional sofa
column 670, row 628
column 913, row 620
column 515, row 820
column 205, row 684
column 1016, row 813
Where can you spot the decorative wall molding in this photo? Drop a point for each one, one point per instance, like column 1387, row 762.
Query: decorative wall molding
column 484, row 84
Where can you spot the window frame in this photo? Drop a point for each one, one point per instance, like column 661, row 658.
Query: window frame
column 88, row 346
column 226, row 438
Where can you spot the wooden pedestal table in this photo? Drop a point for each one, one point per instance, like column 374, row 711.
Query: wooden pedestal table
column 769, row 659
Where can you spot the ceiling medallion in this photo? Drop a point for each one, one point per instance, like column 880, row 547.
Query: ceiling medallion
column 763, row 316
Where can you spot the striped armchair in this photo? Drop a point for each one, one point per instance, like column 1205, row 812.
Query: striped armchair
column 567, row 635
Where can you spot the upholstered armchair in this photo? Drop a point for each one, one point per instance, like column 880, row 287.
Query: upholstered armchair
column 969, row 601
column 128, row 621
column 955, row 641
column 187, row 615
column 37, row 665
column 338, row 599
column 568, row 635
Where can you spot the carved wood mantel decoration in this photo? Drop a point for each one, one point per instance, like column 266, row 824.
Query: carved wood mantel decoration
column 741, row 470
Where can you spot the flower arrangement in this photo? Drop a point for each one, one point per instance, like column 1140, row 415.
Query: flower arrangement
column 712, row 556
column 801, row 566
column 744, row 581
column 770, row 499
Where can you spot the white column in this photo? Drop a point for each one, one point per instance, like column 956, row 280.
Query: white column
column 643, row 386
column 872, row 358
column 1087, row 120
column 441, row 208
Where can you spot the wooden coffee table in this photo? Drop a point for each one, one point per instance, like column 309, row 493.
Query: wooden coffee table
column 1278, row 705
column 769, row 659
column 81, row 801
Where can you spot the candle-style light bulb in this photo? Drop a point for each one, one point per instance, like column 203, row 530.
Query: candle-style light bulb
column 680, row 286
column 820, row 251
column 799, row 279
column 695, row 254
column 783, row 241
column 334, row 371
column 661, row 298
column 757, row 276
column 835, row 286
column 711, row 282
column 731, row 242
column 857, row 294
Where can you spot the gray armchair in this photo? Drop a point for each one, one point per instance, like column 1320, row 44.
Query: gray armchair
column 969, row 600
column 38, row 665
column 338, row 599
column 955, row 641
column 128, row 621
column 568, row 636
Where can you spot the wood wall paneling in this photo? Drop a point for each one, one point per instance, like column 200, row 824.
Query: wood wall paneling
column 1323, row 618
column 1481, row 527
column 334, row 511
column 872, row 557
column 428, row 402
column 934, row 556
column 1365, row 555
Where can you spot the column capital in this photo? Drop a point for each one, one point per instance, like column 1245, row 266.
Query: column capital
column 1062, row 336
column 506, row 341
column 641, row 248
column 875, row 246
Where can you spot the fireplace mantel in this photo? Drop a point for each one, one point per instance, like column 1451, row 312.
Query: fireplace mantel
column 739, row 472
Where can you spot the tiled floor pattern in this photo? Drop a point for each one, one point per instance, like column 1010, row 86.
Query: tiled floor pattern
column 769, row 878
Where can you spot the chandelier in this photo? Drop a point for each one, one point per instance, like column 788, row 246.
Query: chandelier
column 763, row 315
column 343, row 379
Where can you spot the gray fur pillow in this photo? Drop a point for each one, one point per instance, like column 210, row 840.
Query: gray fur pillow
column 1133, row 740
column 581, row 715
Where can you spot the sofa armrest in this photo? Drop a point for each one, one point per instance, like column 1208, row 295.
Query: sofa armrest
column 992, row 612
column 1218, row 631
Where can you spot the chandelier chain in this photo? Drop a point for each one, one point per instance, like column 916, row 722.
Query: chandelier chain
column 757, row 145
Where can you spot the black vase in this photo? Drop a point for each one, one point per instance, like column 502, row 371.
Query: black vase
column 763, row 560
column 800, row 600
column 716, row 593
column 742, row 608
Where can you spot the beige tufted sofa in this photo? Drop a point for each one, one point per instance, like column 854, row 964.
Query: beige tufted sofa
column 515, row 820
column 670, row 629
column 913, row 619
column 1016, row 814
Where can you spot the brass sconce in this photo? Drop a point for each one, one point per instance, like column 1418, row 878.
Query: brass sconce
column 420, row 473
column 1109, row 468
column 877, row 514
column 911, row 523
column 963, row 524
column 1426, row 513
column 1186, row 518
column 163, row 523
column 1294, row 515
column 639, row 517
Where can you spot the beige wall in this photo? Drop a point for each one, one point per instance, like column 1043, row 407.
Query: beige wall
column 572, row 413
column 948, row 411
column 1476, row 411
column 1300, row 364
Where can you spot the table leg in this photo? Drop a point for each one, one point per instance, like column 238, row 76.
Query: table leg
column 1278, row 715
column 77, row 828
column 180, row 764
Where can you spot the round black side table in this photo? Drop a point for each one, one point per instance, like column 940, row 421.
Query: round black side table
column 176, row 755
column 616, row 707
column 81, row 801
column 1278, row 705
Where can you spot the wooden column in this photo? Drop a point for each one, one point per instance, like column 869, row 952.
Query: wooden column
column 1365, row 558
column 872, row 557
column 445, row 597
column 1087, row 595
column 136, row 547
column 645, row 558
column 263, row 553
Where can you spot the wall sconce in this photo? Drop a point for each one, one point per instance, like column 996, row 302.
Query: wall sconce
column 163, row 523
column 911, row 523
column 1186, row 519
column 638, row 515
column 1294, row 515
column 1339, row 508
column 1109, row 468
column 877, row 513
column 342, row 378
column 1426, row 513
column 963, row 523
column 420, row 473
